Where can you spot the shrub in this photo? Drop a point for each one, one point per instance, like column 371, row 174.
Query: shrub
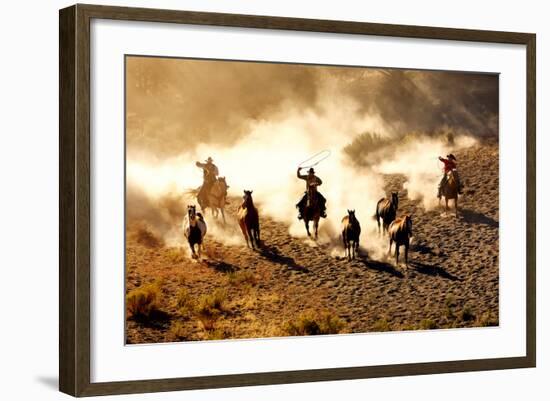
column 141, row 301
column 184, row 301
column 175, row 255
column 428, row 324
column 217, row 334
column 466, row 314
column 241, row 277
column 381, row 325
column 177, row 330
column 314, row 324
column 486, row 320
column 209, row 307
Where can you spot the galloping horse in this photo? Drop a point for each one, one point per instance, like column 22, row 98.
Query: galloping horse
column 312, row 211
column 386, row 209
column 194, row 228
column 400, row 231
column 450, row 191
column 216, row 199
column 249, row 221
column 351, row 230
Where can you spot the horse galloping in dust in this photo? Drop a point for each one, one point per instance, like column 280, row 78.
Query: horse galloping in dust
column 386, row 209
column 194, row 228
column 249, row 220
column 351, row 230
column 400, row 232
column 216, row 198
column 312, row 211
column 450, row 191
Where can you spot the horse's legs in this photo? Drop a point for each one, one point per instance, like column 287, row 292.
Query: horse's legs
column 306, row 222
column 192, row 246
column 257, row 233
column 396, row 254
column 391, row 242
column 407, row 253
column 316, row 225
column 446, row 205
column 251, row 236
column 223, row 215
column 243, row 229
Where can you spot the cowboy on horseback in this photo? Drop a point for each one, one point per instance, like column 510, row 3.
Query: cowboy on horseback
column 449, row 165
column 312, row 182
column 209, row 176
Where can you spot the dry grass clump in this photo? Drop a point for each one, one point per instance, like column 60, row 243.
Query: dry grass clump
column 209, row 307
column 141, row 301
column 176, row 255
column 466, row 314
column 427, row 324
column 314, row 323
column 184, row 302
column 177, row 331
column 486, row 320
column 238, row 278
column 381, row 325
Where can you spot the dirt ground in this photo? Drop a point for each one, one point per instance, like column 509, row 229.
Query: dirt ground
column 452, row 279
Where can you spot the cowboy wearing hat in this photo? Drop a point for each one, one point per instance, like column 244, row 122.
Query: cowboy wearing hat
column 312, row 182
column 449, row 164
column 209, row 176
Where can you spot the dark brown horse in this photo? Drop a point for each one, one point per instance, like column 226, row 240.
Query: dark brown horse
column 351, row 230
column 400, row 232
column 249, row 221
column 386, row 209
column 312, row 211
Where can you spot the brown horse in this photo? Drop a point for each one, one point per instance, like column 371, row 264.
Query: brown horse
column 312, row 211
column 450, row 191
column 386, row 209
column 216, row 198
column 249, row 221
column 400, row 231
column 351, row 230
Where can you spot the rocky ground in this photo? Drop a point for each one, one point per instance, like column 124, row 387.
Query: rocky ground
column 452, row 279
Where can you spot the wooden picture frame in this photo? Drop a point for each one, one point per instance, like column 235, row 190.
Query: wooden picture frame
column 74, row 199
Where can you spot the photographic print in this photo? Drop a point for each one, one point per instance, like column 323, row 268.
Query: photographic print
column 270, row 199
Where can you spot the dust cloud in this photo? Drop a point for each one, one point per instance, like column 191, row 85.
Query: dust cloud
column 259, row 121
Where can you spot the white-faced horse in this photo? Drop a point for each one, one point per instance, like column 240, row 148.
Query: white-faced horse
column 194, row 228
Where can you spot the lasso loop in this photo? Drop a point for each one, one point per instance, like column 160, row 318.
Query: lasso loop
column 315, row 159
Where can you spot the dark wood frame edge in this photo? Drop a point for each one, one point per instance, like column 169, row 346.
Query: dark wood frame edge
column 74, row 199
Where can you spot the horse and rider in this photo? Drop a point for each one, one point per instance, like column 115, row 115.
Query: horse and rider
column 312, row 206
column 213, row 191
column 449, row 168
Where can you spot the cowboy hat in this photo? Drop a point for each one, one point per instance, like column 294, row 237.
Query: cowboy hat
column 311, row 170
column 451, row 156
column 209, row 159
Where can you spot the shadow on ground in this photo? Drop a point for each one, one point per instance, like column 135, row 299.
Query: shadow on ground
column 271, row 253
column 431, row 270
column 473, row 217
